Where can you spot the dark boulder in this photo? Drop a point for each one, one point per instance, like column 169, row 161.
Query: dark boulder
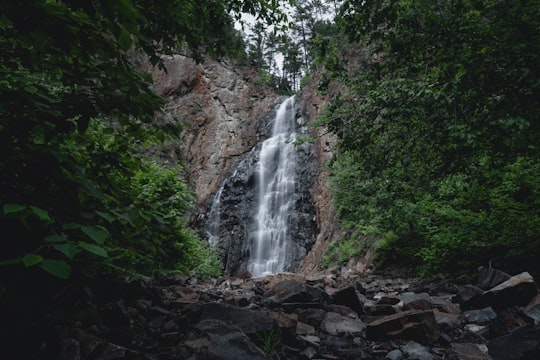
column 414, row 325
column 519, row 290
column 522, row 344
column 292, row 292
column 217, row 340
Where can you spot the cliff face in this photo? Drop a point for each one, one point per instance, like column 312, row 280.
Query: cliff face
column 221, row 110
column 224, row 111
column 312, row 105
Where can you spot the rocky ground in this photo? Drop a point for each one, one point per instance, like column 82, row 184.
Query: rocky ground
column 286, row 316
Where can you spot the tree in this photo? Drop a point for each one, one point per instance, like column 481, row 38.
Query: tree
column 256, row 48
column 75, row 114
column 438, row 128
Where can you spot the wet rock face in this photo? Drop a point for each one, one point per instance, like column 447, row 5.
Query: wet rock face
column 238, row 206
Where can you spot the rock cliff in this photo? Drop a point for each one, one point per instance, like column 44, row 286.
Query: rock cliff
column 224, row 110
column 221, row 107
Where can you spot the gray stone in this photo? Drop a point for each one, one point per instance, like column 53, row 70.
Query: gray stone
column 220, row 341
column 311, row 340
column 444, row 305
column 394, row 355
column 309, row 352
column 250, row 321
column 416, row 301
column 448, row 322
column 480, row 316
column 469, row 351
column 415, row 351
column 335, row 342
column 336, row 324
column 311, row 316
column 304, row 329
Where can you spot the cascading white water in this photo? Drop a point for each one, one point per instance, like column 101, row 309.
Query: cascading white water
column 276, row 182
column 212, row 227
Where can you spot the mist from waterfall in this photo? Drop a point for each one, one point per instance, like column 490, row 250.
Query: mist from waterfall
column 275, row 186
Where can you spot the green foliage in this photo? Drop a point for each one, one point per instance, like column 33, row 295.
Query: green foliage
column 439, row 128
column 270, row 341
column 76, row 194
column 341, row 251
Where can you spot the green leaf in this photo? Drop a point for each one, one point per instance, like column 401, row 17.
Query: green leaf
column 124, row 40
column 31, row 89
column 55, row 238
column 13, row 208
column 107, row 216
column 94, row 249
column 32, row 259
column 69, row 250
column 41, row 214
column 96, row 233
column 57, row 268
column 11, row 261
column 71, row 226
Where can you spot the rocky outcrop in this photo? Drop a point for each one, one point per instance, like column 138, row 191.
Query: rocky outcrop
column 221, row 110
column 225, row 116
column 311, row 106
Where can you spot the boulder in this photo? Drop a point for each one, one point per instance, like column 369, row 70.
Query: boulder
column 416, row 301
column 532, row 310
column 304, row 329
column 248, row 320
column 470, row 351
column 311, row 316
column 519, row 290
column 480, row 316
column 507, row 321
column 347, row 296
column 336, row 324
column 373, row 309
column 448, row 322
column 293, row 292
column 444, row 305
column 84, row 346
column 523, row 343
column 217, row 340
column 467, row 292
column 394, row 355
column 489, row 278
column 414, row 325
column 415, row 351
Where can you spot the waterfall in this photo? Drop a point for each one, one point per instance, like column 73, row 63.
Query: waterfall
column 275, row 186
column 262, row 218
column 214, row 216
